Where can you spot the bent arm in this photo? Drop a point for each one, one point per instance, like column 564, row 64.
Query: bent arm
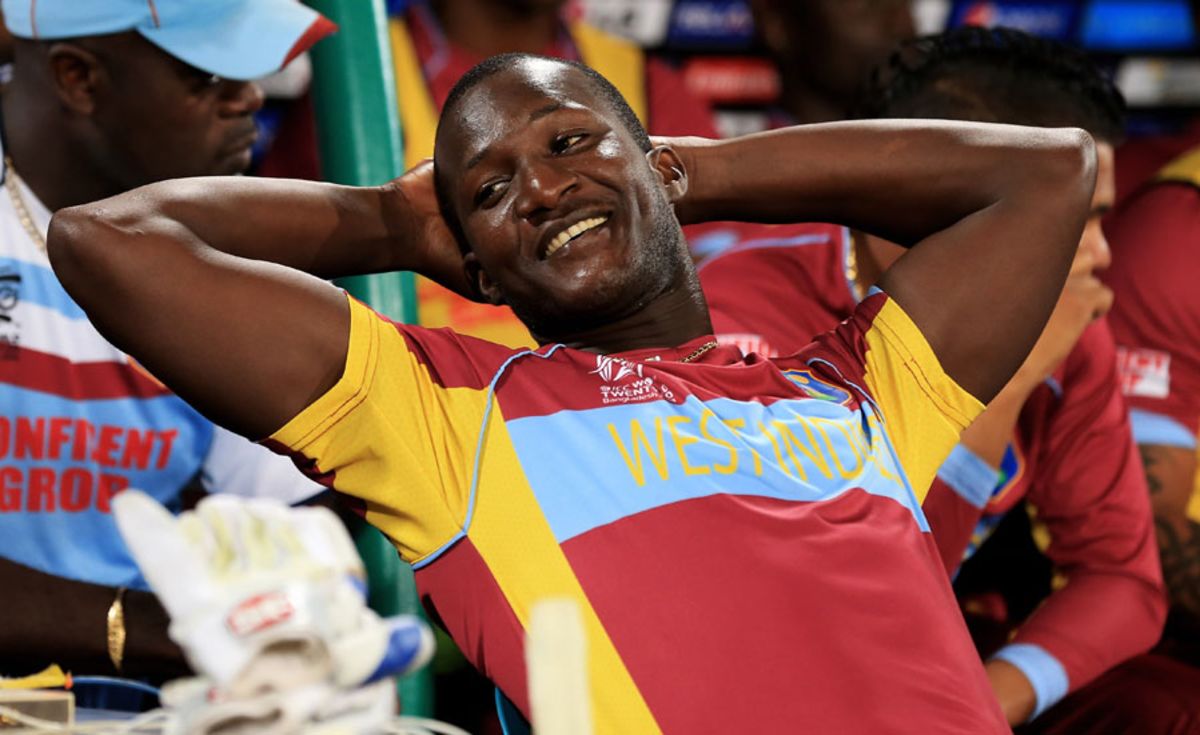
column 993, row 214
column 170, row 272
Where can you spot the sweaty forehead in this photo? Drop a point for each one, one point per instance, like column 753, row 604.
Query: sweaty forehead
column 508, row 101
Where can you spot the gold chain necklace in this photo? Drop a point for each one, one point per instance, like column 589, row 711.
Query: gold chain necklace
column 700, row 350
column 852, row 267
column 12, row 185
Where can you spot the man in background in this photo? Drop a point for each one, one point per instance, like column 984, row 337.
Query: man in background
column 826, row 49
column 108, row 95
column 1156, row 320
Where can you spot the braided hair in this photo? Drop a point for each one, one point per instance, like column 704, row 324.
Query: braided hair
column 997, row 75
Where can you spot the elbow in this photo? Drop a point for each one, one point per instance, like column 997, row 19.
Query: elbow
column 1071, row 166
column 72, row 231
column 1156, row 604
column 82, row 243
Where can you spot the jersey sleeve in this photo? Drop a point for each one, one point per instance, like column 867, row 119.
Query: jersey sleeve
column 1156, row 311
column 399, row 429
column 882, row 352
column 1090, row 494
column 956, row 501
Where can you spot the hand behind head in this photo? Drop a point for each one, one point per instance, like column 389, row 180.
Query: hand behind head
column 419, row 224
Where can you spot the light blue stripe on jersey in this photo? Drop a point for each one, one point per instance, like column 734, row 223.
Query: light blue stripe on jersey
column 165, row 410
column 653, row 454
column 971, row 478
column 1044, row 672
column 1155, row 428
column 40, row 286
column 766, row 242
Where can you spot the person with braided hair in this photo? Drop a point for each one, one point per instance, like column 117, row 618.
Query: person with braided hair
column 1058, row 435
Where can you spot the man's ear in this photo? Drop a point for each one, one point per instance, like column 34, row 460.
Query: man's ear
column 670, row 169
column 482, row 286
column 77, row 74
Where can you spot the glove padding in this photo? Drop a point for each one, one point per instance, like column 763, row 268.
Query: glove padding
column 263, row 597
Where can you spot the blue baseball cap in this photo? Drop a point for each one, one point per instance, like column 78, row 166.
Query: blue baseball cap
column 237, row 39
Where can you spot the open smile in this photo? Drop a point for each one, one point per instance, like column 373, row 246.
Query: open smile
column 572, row 233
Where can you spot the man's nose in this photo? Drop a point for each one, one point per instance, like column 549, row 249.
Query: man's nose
column 1100, row 251
column 240, row 98
column 544, row 187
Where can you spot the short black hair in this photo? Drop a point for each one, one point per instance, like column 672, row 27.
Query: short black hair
column 501, row 62
column 996, row 75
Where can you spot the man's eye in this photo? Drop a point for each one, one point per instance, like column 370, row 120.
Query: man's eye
column 564, row 143
column 200, row 81
column 489, row 191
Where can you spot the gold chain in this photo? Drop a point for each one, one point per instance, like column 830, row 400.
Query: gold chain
column 700, row 350
column 851, row 266
column 12, row 184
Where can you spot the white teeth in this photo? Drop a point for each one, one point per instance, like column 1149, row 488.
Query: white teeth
column 573, row 232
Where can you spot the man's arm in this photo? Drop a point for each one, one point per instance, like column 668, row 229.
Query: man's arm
column 59, row 620
column 996, row 211
column 1170, row 473
column 147, row 269
column 1090, row 494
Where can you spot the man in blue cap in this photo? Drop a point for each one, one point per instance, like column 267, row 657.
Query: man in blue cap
column 108, row 95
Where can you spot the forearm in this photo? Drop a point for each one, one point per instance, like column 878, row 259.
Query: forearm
column 1013, row 690
column 58, row 620
column 900, row 180
column 1169, row 475
column 318, row 228
column 1081, row 631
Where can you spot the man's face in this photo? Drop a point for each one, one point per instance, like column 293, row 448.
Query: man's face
column 159, row 118
column 567, row 219
column 1093, row 253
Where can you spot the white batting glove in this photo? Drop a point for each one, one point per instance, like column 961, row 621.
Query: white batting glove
column 263, row 597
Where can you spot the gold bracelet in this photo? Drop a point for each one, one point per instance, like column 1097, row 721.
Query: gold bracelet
column 116, row 629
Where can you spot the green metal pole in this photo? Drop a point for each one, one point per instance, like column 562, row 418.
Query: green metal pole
column 358, row 128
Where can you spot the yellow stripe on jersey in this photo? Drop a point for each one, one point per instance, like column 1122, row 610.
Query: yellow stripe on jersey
column 427, row 434
column 509, row 530
column 418, row 431
column 925, row 410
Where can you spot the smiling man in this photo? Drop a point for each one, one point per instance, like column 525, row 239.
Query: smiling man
column 736, row 530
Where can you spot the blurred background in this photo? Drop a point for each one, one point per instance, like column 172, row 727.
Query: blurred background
column 1149, row 45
